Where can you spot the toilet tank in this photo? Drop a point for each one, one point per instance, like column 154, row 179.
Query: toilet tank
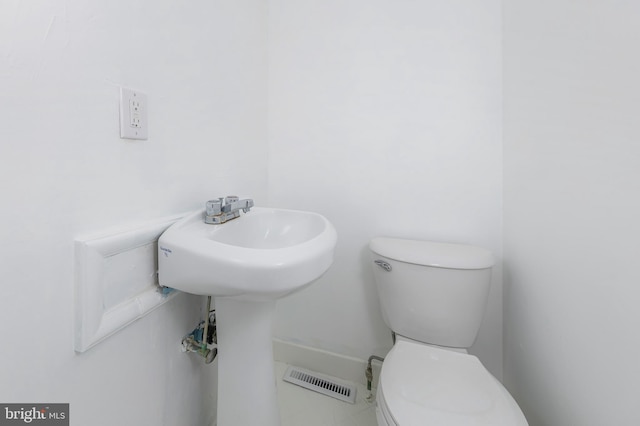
column 435, row 293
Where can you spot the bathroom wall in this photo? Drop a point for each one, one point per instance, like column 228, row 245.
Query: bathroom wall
column 385, row 116
column 571, row 209
column 64, row 172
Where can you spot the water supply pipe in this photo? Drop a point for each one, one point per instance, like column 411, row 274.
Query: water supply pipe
column 197, row 340
column 369, row 374
column 205, row 335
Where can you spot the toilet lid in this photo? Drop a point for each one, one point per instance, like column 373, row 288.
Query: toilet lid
column 427, row 385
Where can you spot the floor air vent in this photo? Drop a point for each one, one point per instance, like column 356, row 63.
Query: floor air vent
column 321, row 383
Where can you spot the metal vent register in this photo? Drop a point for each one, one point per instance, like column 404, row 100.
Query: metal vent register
column 321, row 383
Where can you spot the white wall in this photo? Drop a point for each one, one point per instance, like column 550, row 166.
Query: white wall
column 571, row 209
column 65, row 172
column 385, row 116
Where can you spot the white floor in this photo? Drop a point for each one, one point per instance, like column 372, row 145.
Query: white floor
column 302, row 407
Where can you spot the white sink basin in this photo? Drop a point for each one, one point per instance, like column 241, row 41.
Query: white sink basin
column 264, row 254
column 246, row 264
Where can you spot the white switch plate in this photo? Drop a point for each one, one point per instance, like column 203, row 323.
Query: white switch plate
column 133, row 114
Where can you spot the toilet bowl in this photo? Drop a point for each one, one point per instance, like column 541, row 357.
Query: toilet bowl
column 433, row 296
column 423, row 385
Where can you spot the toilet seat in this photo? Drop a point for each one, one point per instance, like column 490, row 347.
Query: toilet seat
column 425, row 385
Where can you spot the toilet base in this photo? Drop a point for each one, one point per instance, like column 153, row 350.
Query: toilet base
column 383, row 416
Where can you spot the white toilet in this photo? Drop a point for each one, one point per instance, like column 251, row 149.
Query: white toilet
column 433, row 297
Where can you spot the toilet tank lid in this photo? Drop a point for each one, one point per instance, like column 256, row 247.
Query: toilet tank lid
column 427, row 253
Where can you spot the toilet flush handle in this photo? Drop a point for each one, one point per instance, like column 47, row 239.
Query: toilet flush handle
column 384, row 265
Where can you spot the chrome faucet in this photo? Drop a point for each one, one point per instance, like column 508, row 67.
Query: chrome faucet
column 225, row 209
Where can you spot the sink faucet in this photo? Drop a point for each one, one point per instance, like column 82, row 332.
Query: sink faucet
column 225, row 209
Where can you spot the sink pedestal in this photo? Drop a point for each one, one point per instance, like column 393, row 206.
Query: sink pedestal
column 246, row 378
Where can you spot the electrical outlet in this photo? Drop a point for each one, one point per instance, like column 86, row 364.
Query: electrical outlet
column 133, row 114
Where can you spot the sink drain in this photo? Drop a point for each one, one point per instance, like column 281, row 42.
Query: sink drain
column 321, row 383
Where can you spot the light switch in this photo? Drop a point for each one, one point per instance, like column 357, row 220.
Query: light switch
column 133, row 114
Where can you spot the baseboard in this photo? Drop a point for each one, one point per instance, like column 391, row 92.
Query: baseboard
column 325, row 362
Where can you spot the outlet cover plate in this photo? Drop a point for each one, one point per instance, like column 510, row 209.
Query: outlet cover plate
column 133, row 114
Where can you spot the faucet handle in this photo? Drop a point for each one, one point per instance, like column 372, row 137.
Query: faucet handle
column 248, row 206
column 214, row 207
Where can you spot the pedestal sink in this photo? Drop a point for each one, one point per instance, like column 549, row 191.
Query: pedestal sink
column 246, row 264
